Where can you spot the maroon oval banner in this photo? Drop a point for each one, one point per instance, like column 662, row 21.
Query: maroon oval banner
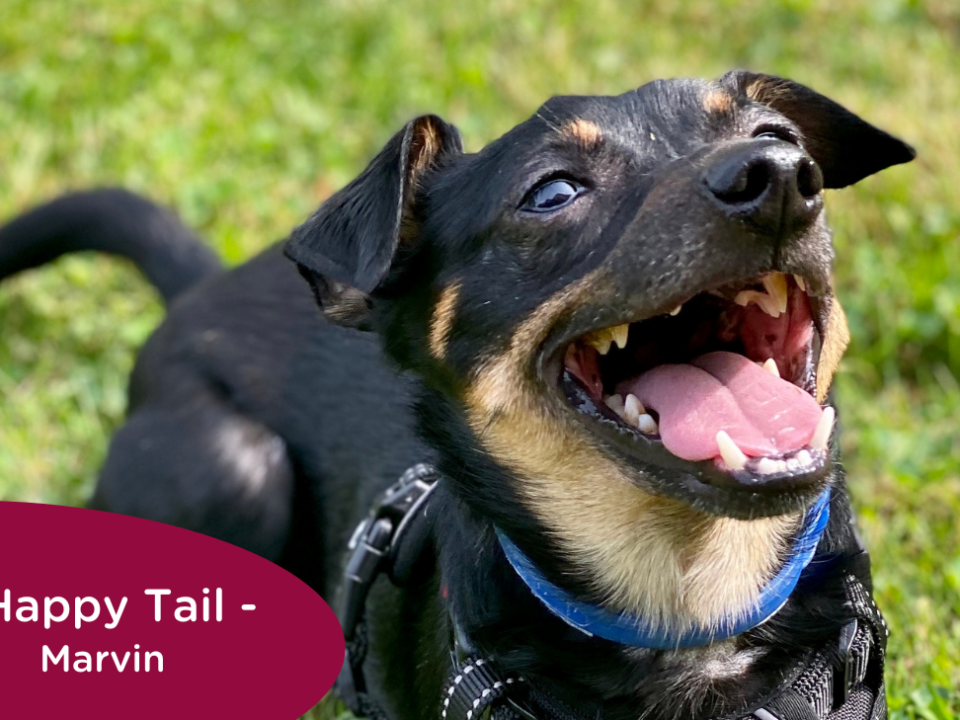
column 104, row 616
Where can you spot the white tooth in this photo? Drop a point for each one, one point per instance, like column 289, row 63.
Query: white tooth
column 620, row 333
column 771, row 367
column 647, row 425
column 615, row 403
column 745, row 297
column 768, row 466
column 821, row 436
column 632, row 410
column 793, row 464
column 676, row 310
column 731, row 454
column 800, row 282
column 804, row 458
column 775, row 283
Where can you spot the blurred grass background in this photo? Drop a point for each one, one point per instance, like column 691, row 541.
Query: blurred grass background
column 244, row 115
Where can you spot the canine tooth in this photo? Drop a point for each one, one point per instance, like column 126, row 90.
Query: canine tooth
column 731, row 454
column 768, row 466
column 768, row 304
column 793, row 464
column 821, row 436
column 632, row 410
column 771, row 367
column 804, row 458
column 600, row 340
column 647, row 425
column 775, row 283
column 619, row 335
column 615, row 403
column 800, row 282
column 676, row 310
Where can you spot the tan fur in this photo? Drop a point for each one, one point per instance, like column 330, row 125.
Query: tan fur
column 836, row 337
column 645, row 553
column 768, row 90
column 441, row 322
column 755, row 90
column 718, row 101
column 585, row 132
column 423, row 150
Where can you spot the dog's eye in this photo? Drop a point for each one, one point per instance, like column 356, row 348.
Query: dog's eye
column 552, row 195
column 777, row 133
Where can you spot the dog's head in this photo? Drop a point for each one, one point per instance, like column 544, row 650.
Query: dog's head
column 627, row 303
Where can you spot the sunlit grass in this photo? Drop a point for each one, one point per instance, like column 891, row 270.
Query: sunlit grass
column 244, row 115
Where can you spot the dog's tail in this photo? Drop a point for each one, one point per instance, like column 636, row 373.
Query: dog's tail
column 112, row 221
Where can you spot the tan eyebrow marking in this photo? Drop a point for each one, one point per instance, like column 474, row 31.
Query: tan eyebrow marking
column 585, row 132
column 717, row 101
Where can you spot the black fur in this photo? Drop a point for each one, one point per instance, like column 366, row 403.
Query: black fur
column 256, row 419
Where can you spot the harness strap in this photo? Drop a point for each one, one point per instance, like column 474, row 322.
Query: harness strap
column 473, row 688
column 389, row 540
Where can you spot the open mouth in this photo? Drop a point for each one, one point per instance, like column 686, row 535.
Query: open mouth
column 728, row 378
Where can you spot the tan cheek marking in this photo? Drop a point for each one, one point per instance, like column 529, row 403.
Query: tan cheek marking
column 441, row 323
column 836, row 338
column 646, row 553
column 718, row 102
column 583, row 131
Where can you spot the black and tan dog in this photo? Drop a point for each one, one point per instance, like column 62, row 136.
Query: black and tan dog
column 612, row 330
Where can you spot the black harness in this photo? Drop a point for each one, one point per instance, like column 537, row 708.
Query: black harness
column 843, row 680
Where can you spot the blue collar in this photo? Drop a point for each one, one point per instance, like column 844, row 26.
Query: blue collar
column 631, row 630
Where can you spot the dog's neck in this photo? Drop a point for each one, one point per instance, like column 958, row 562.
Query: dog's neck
column 634, row 630
column 501, row 617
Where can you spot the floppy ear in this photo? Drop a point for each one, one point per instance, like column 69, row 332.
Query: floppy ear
column 845, row 147
column 346, row 248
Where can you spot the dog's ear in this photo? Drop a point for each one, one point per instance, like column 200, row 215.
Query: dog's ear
column 845, row 147
column 346, row 248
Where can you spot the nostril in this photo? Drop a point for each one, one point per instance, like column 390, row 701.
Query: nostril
column 744, row 185
column 809, row 178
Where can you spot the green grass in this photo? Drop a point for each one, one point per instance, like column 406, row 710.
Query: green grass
column 244, row 115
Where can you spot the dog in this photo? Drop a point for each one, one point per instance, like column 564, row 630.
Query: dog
column 612, row 332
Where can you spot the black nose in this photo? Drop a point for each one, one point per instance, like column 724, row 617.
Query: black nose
column 771, row 182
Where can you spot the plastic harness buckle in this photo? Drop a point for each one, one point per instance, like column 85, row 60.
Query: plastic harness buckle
column 372, row 547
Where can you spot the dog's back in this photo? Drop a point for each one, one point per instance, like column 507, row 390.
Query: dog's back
column 244, row 400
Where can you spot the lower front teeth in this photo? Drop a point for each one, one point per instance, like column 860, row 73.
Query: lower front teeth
column 769, row 466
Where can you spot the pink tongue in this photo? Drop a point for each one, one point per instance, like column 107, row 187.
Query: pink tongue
column 724, row 391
